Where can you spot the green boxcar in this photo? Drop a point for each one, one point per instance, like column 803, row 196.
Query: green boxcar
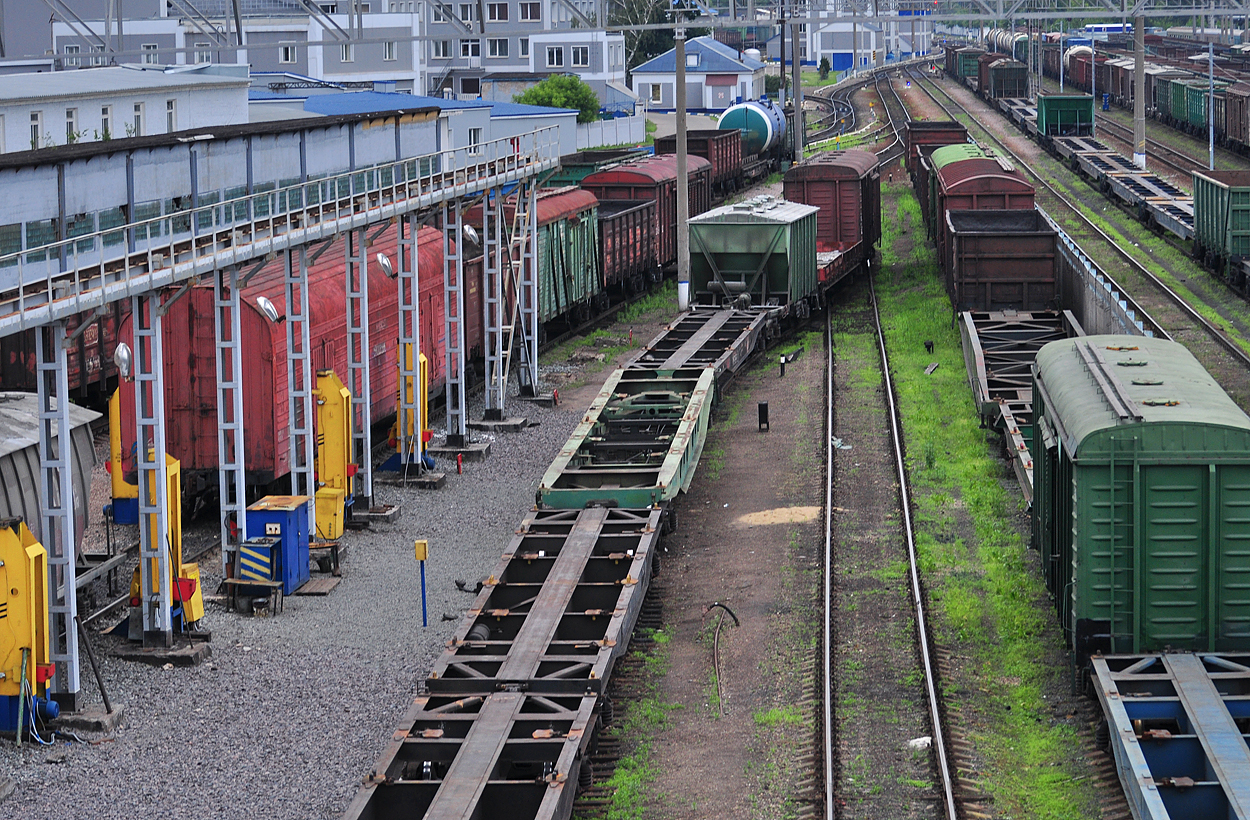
column 937, row 160
column 1065, row 115
column 764, row 247
column 1179, row 108
column 568, row 264
column 1221, row 217
column 1197, row 94
column 1142, row 497
column 966, row 61
column 574, row 167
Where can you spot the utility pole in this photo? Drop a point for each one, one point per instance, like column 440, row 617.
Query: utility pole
column 1139, row 96
column 1210, row 106
column 797, row 96
column 683, row 181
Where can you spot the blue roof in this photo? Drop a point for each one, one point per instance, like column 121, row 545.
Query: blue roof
column 368, row 102
column 714, row 58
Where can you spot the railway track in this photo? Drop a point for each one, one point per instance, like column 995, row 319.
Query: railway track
column 1206, row 337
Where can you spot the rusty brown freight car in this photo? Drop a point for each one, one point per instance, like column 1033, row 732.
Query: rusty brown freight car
column 846, row 186
column 655, row 179
column 931, row 133
column 723, row 149
column 627, row 241
column 1000, row 260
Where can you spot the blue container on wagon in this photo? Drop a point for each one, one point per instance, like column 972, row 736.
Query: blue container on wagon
column 284, row 517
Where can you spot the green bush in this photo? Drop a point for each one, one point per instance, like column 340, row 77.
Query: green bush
column 563, row 91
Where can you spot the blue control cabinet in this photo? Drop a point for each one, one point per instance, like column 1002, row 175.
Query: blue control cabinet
column 284, row 517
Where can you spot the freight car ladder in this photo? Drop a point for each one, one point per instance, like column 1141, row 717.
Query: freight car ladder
column 522, row 257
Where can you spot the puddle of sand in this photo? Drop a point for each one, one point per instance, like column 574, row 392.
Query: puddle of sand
column 778, row 515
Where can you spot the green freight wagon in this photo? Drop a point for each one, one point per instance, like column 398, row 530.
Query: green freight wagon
column 574, row 167
column 1141, row 509
column 763, row 249
column 1065, row 115
column 1197, row 94
column 1221, row 218
column 966, row 64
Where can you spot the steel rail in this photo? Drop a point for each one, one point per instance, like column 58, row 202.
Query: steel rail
column 917, row 591
column 1186, row 308
column 887, row 154
column 828, row 625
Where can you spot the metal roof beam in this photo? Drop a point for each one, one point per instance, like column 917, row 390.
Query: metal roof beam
column 64, row 12
column 324, row 19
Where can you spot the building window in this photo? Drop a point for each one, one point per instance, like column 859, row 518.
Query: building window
column 555, row 56
column 468, row 12
column 329, row 8
column 136, row 125
column 203, row 53
column 287, row 54
column 497, row 47
column 470, row 48
column 36, row 129
column 389, row 50
column 97, row 55
column 347, row 53
column 442, row 49
column 71, row 125
column 525, row 46
column 149, row 53
column 171, row 116
column 581, row 56
column 72, row 62
column 531, row 12
column 475, row 141
column 438, row 16
column 497, row 12
column 106, row 122
column 655, row 92
column 692, row 61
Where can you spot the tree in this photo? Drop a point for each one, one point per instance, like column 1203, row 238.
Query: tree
column 564, row 91
column 824, row 68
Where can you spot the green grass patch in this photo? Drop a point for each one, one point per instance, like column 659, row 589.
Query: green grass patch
column 663, row 300
column 783, row 716
column 987, row 599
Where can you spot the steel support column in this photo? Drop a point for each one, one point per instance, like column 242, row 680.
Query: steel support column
column 57, row 498
column 412, row 408
column 528, row 297
column 493, row 304
column 299, row 409
column 358, row 366
column 149, row 375
column 231, row 467
column 453, row 322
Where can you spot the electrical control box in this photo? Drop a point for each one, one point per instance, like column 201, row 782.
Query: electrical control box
column 283, row 520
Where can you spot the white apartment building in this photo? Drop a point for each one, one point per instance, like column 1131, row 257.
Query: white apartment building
column 59, row 108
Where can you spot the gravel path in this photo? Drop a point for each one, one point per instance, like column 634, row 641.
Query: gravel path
column 291, row 712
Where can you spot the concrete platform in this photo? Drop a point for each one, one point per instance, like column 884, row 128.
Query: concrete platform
column 91, row 719
column 476, row 451
column 509, row 425
column 183, row 654
column 383, row 514
column 543, row 399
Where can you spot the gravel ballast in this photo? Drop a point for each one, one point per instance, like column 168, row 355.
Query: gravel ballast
column 290, row 712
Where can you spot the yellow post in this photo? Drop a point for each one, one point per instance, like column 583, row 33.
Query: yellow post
column 24, row 596
column 334, row 453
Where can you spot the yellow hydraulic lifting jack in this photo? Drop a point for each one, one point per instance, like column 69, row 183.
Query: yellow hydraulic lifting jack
column 335, row 466
column 184, row 578
column 125, row 506
column 24, row 654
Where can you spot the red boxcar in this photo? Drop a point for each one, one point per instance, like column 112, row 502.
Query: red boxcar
column 931, row 133
column 627, row 242
column 89, row 361
column 721, row 148
column 190, row 361
column 1237, row 113
column 846, row 186
column 655, row 178
column 978, row 184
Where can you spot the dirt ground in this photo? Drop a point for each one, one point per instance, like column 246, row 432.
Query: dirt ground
column 750, row 536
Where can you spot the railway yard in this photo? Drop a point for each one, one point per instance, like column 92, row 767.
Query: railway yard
column 834, row 542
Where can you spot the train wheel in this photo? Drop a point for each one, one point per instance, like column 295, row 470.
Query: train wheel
column 585, row 776
column 1102, row 736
